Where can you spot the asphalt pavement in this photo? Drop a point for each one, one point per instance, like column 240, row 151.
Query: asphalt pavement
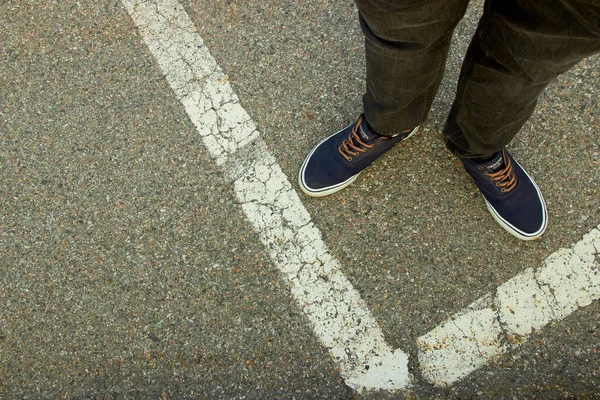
column 130, row 269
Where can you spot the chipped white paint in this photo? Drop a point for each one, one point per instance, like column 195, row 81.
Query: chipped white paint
column 568, row 280
column 194, row 76
column 339, row 316
column 463, row 344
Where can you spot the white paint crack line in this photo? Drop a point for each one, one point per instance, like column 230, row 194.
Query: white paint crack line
column 339, row 316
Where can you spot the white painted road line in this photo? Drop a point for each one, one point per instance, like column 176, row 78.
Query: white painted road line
column 339, row 316
column 568, row 280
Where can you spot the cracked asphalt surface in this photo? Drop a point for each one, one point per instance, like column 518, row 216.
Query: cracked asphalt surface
column 129, row 270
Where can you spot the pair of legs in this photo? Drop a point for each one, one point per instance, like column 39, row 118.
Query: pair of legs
column 519, row 47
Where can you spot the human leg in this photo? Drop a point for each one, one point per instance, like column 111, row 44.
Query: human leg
column 406, row 46
column 520, row 46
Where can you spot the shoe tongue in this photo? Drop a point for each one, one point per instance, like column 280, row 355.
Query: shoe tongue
column 366, row 134
column 496, row 163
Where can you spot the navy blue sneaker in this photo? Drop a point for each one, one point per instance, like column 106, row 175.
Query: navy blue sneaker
column 338, row 160
column 512, row 197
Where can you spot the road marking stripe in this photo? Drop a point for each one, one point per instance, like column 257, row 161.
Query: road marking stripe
column 340, row 318
column 568, row 280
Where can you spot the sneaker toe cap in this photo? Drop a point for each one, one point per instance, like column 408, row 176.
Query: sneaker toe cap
column 523, row 212
column 324, row 168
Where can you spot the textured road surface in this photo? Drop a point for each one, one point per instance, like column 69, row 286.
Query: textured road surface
column 128, row 268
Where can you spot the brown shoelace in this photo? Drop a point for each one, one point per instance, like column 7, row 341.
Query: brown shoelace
column 505, row 178
column 353, row 145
